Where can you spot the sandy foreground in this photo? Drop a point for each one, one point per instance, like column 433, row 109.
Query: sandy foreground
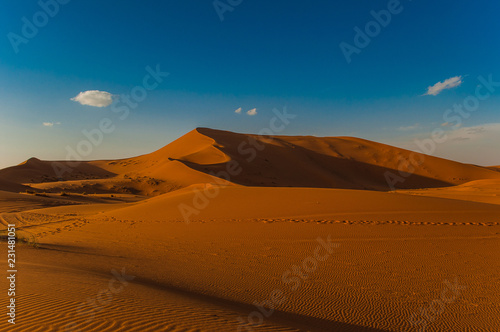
column 95, row 270
column 289, row 254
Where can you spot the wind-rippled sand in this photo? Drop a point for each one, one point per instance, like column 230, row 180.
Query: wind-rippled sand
column 307, row 237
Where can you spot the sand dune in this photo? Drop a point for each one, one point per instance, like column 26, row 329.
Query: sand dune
column 18, row 202
column 12, row 186
column 35, row 171
column 243, row 203
column 219, row 231
column 485, row 191
column 333, row 162
column 213, row 156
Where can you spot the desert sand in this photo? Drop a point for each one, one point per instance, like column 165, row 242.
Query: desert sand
column 219, row 231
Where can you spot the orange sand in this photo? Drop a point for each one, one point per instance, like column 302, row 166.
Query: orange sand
column 197, row 253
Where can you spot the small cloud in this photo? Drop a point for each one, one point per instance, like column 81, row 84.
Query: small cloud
column 94, row 98
column 252, row 112
column 238, row 110
column 415, row 126
column 51, row 124
column 449, row 83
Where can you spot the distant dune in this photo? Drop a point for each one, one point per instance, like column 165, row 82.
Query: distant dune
column 214, row 156
column 495, row 168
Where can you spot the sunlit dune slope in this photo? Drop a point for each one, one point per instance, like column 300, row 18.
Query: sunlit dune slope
column 152, row 174
column 214, row 156
column 204, row 203
column 486, row 191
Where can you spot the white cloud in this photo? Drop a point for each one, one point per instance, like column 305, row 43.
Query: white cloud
column 251, row 112
column 94, row 98
column 449, row 83
column 238, row 110
column 51, row 124
column 415, row 126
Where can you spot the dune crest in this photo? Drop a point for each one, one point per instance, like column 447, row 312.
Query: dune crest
column 264, row 161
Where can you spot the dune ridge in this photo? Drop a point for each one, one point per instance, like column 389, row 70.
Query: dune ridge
column 202, row 155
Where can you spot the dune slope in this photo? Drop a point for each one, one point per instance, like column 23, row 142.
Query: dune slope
column 214, row 156
column 333, row 162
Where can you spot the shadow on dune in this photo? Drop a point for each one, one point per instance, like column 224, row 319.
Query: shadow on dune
column 77, row 250
column 302, row 322
column 307, row 168
column 241, row 310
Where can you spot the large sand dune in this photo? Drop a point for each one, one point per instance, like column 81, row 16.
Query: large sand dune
column 333, row 162
column 206, row 155
column 305, row 237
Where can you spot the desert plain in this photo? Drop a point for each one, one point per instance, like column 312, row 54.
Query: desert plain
column 220, row 231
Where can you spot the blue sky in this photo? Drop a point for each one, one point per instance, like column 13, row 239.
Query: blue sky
column 263, row 55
